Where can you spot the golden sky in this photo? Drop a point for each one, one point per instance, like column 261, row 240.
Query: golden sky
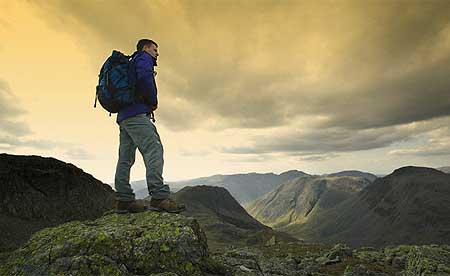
column 264, row 86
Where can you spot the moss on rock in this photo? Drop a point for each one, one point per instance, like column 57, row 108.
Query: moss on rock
column 428, row 260
column 129, row 244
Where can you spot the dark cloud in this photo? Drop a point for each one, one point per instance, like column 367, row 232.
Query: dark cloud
column 326, row 143
column 367, row 69
column 418, row 96
column 260, row 64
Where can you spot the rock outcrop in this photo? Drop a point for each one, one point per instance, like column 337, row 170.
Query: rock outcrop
column 153, row 243
column 321, row 260
column 148, row 243
column 37, row 192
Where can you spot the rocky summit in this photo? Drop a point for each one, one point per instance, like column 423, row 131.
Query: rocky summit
column 153, row 243
column 38, row 192
column 129, row 244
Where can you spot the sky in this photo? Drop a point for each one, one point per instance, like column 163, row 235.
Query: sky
column 243, row 86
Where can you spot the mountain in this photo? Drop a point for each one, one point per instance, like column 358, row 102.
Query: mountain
column 409, row 206
column 243, row 187
column 224, row 220
column 368, row 176
column 37, row 192
column 444, row 169
column 296, row 200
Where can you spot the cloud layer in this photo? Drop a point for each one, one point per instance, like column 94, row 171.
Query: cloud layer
column 316, row 144
column 369, row 74
column 16, row 133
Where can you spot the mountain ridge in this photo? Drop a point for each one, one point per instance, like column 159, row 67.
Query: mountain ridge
column 244, row 187
column 38, row 192
column 408, row 206
column 224, row 220
column 294, row 200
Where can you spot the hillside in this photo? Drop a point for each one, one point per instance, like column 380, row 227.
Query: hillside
column 224, row 220
column 296, row 200
column 366, row 175
column 37, row 192
column 409, row 206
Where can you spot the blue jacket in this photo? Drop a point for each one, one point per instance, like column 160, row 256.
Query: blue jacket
column 140, row 72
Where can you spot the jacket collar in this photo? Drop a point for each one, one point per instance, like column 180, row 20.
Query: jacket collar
column 152, row 58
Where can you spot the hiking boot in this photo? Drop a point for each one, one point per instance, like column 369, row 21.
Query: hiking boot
column 130, row 206
column 166, row 205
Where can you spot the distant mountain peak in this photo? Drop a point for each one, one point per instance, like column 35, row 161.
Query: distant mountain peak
column 409, row 170
column 244, row 187
column 369, row 176
column 215, row 198
column 292, row 172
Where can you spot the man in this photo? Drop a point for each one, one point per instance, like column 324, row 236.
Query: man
column 138, row 131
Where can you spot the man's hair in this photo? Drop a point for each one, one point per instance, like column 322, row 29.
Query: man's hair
column 141, row 43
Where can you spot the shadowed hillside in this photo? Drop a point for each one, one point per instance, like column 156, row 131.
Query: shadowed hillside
column 224, row 220
column 296, row 200
column 409, row 206
column 37, row 192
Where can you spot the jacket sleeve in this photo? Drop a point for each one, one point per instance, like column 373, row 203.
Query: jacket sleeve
column 145, row 80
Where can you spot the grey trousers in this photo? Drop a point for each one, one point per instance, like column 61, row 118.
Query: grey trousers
column 140, row 132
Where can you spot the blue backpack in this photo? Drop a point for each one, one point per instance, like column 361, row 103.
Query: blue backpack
column 113, row 90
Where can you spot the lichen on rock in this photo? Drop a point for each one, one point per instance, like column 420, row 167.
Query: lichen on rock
column 129, row 244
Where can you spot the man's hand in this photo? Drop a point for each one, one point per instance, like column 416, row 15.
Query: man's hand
column 154, row 107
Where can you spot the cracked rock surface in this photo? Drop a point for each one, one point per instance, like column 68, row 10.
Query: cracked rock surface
column 323, row 260
column 166, row 244
column 131, row 244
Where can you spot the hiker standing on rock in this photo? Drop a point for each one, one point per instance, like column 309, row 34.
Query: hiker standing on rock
column 137, row 130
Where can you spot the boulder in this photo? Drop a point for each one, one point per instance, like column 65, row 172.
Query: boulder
column 148, row 243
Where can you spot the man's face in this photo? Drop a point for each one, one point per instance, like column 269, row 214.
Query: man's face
column 152, row 49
